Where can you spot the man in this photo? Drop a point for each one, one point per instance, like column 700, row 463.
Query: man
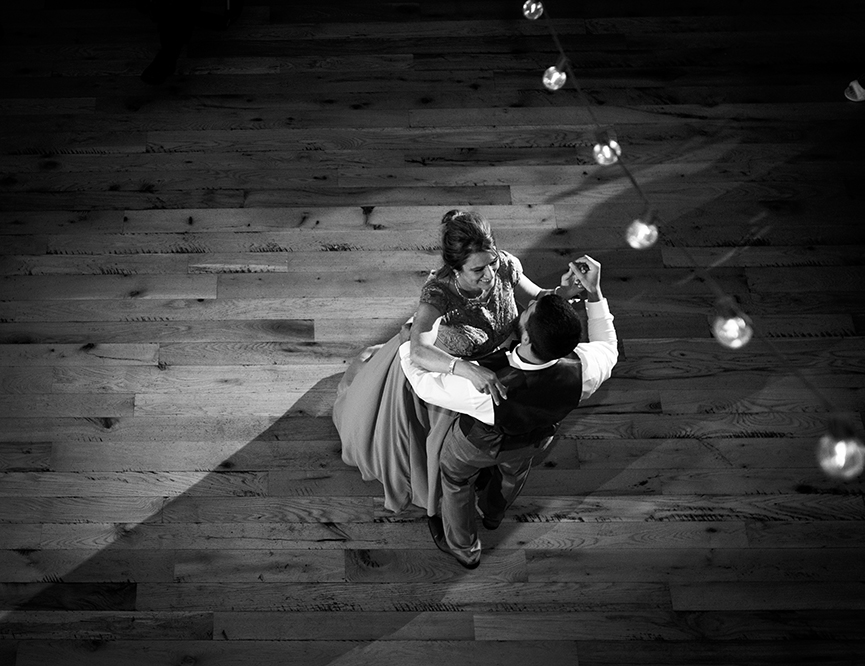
column 545, row 377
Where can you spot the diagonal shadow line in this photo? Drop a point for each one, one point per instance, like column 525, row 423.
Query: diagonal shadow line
column 330, row 533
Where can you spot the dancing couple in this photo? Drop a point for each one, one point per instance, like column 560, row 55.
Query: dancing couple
column 457, row 405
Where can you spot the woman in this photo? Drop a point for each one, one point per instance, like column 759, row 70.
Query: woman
column 468, row 308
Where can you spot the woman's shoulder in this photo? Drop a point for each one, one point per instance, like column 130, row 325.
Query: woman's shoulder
column 435, row 291
column 510, row 266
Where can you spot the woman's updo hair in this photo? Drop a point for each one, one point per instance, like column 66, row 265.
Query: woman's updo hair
column 463, row 234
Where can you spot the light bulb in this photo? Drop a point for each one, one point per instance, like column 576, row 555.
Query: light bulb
column 607, row 153
column 841, row 458
column 533, row 10
column 641, row 235
column 554, row 78
column 732, row 331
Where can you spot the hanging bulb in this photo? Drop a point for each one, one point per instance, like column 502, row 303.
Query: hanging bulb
column 841, row 458
column 554, row 78
column 641, row 233
column 533, row 10
column 607, row 152
column 731, row 327
column 732, row 332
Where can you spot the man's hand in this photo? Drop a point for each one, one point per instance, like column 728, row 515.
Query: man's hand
column 483, row 379
column 587, row 272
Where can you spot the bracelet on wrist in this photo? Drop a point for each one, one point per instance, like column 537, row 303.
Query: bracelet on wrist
column 452, row 365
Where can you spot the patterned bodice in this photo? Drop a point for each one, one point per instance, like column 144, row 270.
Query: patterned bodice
column 474, row 327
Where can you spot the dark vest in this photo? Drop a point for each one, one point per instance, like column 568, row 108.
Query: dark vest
column 537, row 402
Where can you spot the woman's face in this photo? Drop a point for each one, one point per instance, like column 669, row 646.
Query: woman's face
column 479, row 271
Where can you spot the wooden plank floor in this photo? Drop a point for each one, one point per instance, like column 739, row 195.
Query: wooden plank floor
column 186, row 270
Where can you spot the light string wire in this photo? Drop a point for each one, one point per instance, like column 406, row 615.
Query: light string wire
column 563, row 59
column 839, row 426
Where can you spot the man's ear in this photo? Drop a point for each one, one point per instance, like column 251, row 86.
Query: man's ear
column 524, row 338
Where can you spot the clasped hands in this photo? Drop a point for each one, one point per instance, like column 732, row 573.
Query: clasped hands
column 583, row 275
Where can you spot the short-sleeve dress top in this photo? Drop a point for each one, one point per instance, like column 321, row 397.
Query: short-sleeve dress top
column 475, row 327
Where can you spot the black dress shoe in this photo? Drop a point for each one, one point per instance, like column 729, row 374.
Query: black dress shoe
column 437, row 530
column 491, row 523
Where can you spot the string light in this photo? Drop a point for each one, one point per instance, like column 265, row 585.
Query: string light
column 641, row 233
column 607, row 153
column 841, row 459
column 731, row 326
column 554, row 78
column 840, row 452
column 533, row 10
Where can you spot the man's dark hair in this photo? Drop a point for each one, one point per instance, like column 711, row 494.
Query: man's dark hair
column 553, row 327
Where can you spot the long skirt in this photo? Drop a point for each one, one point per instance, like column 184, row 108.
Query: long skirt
column 388, row 433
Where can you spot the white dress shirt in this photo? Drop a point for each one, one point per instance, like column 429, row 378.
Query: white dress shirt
column 597, row 357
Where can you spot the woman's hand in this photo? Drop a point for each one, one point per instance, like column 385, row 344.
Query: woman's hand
column 587, row 272
column 483, row 379
column 570, row 285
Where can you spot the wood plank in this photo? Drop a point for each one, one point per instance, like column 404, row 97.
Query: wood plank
column 310, row 218
column 80, row 456
column 21, row 536
column 84, row 566
column 257, row 535
column 662, row 626
column 761, row 256
column 647, row 482
column 179, row 379
column 270, row 509
column 71, row 354
column 712, row 426
column 258, row 566
column 118, row 509
column 68, row 596
column 357, row 284
column 461, row 595
column 588, row 530
column 346, row 625
column 204, row 310
column 239, row 429
column 717, row 653
column 692, row 566
column 118, row 200
column 106, row 287
column 647, row 355
column 44, row 222
column 135, row 484
column 25, row 456
column 823, row 534
column 753, row 595
column 317, row 403
column 314, row 653
column 813, row 279
column 114, row 405
column 734, row 453
column 804, row 507
column 107, row 265
column 90, row 625
column 24, row 379
column 768, row 399
column 295, row 330
column 256, row 353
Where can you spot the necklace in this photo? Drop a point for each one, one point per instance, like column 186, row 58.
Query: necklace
column 469, row 297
